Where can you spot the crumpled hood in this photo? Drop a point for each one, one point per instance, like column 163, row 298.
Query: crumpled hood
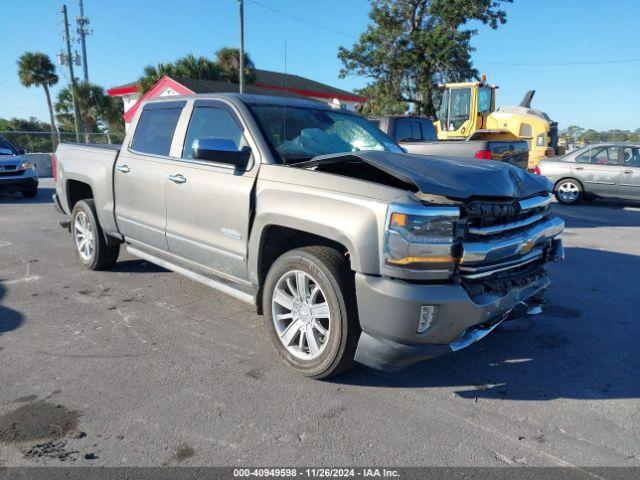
column 451, row 177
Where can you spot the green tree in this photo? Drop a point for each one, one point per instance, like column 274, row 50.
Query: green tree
column 412, row 45
column 224, row 68
column 199, row 68
column 380, row 101
column 591, row 136
column 228, row 61
column 97, row 110
column 572, row 134
column 35, row 68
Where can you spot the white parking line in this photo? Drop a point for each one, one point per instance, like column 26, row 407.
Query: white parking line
column 30, row 278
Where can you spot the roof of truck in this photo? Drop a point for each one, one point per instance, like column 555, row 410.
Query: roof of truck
column 248, row 98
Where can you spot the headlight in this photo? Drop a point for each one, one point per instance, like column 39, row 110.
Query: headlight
column 26, row 165
column 540, row 140
column 420, row 237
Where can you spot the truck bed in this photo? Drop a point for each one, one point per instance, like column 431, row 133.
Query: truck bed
column 512, row 152
column 91, row 164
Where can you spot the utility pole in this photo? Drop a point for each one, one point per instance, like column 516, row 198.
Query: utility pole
column 83, row 30
column 241, row 6
column 74, row 88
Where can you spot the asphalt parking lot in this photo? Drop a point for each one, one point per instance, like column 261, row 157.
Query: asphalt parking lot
column 140, row 366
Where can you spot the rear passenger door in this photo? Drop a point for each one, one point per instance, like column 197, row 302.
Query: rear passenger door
column 599, row 170
column 141, row 173
column 208, row 210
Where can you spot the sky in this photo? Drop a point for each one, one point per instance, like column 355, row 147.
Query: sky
column 581, row 56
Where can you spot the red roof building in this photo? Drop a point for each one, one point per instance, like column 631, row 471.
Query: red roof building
column 267, row 83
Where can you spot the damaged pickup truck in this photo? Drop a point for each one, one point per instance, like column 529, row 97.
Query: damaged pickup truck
column 352, row 249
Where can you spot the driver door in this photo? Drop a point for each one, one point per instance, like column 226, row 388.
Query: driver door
column 208, row 203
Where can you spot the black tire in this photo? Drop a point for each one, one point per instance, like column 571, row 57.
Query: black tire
column 329, row 268
column 104, row 255
column 30, row 193
column 574, row 186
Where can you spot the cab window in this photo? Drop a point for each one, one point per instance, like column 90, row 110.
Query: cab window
column 460, row 105
column 212, row 122
column 413, row 130
column 484, row 100
column 155, row 130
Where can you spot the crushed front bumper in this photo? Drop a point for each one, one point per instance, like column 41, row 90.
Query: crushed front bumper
column 389, row 311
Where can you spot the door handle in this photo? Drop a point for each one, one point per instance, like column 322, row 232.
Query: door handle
column 628, row 171
column 579, row 168
column 123, row 168
column 177, row 178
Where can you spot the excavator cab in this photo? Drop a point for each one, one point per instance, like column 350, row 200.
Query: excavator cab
column 463, row 109
column 467, row 110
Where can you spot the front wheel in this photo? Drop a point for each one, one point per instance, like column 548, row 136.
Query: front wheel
column 89, row 241
column 568, row 191
column 310, row 311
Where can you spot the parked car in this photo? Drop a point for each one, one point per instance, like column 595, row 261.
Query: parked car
column 602, row 170
column 17, row 174
column 418, row 135
column 351, row 248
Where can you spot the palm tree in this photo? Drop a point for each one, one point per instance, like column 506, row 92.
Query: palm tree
column 36, row 68
column 224, row 68
column 200, row 68
column 228, row 60
column 95, row 107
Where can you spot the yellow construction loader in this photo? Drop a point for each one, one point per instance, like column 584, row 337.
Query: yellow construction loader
column 467, row 111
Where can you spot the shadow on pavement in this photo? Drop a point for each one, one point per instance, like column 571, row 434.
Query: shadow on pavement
column 44, row 196
column 9, row 319
column 600, row 213
column 136, row 266
column 584, row 346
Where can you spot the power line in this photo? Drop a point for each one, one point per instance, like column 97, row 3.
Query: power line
column 559, row 64
column 304, row 20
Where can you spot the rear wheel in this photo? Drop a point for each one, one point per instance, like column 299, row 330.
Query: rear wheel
column 89, row 241
column 568, row 191
column 310, row 311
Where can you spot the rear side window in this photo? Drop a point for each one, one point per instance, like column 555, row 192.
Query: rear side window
column 600, row 156
column 211, row 122
column 428, row 130
column 404, row 131
column 155, row 130
column 414, row 130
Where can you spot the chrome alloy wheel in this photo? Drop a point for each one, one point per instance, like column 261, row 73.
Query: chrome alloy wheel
column 301, row 315
column 568, row 192
column 83, row 235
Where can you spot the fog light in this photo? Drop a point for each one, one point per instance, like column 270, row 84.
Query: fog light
column 427, row 315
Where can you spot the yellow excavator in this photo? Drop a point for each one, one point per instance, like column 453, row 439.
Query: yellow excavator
column 467, row 111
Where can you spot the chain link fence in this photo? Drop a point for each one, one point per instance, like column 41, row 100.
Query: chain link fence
column 40, row 142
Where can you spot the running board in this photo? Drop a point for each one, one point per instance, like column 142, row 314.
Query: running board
column 210, row 282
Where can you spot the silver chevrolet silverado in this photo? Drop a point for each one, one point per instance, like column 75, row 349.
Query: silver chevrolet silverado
column 352, row 249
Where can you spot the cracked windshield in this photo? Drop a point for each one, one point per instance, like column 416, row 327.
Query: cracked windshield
column 299, row 134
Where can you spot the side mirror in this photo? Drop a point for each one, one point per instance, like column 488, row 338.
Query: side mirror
column 220, row 150
column 21, row 151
